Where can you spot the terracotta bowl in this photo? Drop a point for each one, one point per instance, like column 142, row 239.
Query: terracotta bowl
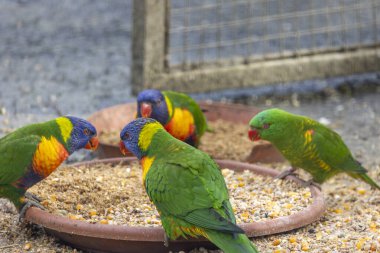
column 116, row 117
column 123, row 238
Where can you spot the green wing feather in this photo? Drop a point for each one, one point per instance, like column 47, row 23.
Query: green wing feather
column 209, row 218
column 189, row 191
column 167, row 176
column 192, row 189
column 48, row 128
column 180, row 100
column 16, row 157
column 333, row 151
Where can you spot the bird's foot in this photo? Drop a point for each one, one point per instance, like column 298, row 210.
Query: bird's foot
column 286, row 173
column 166, row 240
column 32, row 197
column 311, row 182
column 29, row 203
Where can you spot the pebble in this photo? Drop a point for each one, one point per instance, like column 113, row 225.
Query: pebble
column 3, row 111
column 27, row 246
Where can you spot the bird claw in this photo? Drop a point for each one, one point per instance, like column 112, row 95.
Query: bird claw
column 311, row 182
column 32, row 197
column 28, row 204
column 166, row 240
column 286, row 173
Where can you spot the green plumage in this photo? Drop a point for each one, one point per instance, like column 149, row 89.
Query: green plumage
column 309, row 145
column 48, row 128
column 17, row 150
column 189, row 191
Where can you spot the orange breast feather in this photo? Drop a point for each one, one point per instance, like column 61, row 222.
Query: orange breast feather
column 49, row 155
column 181, row 126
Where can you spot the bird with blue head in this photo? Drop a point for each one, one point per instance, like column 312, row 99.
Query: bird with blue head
column 33, row 152
column 180, row 115
column 185, row 185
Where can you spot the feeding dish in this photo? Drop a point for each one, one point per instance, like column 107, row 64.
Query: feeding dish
column 122, row 238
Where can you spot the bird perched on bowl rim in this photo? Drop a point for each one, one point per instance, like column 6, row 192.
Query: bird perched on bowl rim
column 307, row 144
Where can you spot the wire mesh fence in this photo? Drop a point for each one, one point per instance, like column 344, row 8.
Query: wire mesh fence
column 205, row 45
column 218, row 30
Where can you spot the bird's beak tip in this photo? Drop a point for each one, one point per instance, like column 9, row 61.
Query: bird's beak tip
column 92, row 144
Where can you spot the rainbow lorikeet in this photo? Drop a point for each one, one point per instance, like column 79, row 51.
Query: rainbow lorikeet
column 31, row 153
column 177, row 112
column 307, row 144
column 185, row 185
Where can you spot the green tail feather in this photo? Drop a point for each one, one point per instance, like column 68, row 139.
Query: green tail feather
column 238, row 243
column 364, row 177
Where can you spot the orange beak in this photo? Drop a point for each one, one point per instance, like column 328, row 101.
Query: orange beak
column 146, row 110
column 92, row 143
column 123, row 149
column 253, row 135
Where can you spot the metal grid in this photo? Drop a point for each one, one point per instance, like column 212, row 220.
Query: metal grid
column 252, row 30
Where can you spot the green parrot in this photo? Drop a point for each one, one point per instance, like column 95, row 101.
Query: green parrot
column 177, row 112
column 307, row 144
column 31, row 153
column 185, row 185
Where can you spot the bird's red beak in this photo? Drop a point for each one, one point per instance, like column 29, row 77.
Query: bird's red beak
column 92, row 143
column 253, row 135
column 123, row 149
column 146, row 110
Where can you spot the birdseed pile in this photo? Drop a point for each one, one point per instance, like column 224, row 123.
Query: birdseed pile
column 227, row 140
column 85, row 193
column 110, row 137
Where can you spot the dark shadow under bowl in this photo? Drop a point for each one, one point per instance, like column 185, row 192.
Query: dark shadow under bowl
column 123, row 238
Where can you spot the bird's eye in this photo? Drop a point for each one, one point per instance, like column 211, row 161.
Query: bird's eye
column 158, row 102
column 86, row 131
column 266, row 126
column 126, row 136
